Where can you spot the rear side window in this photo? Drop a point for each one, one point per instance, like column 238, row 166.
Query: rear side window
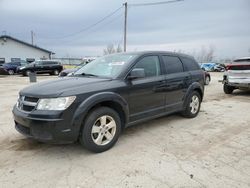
column 190, row 64
column 172, row 64
column 15, row 63
column 49, row 63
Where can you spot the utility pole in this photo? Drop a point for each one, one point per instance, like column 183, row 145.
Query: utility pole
column 139, row 5
column 125, row 27
column 32, row 37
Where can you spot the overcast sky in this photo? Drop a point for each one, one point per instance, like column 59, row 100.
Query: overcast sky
column 187, row 25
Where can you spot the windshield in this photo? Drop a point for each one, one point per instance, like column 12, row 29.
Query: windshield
column 107, row 66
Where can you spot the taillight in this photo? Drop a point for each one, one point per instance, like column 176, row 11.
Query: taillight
column 228, row 67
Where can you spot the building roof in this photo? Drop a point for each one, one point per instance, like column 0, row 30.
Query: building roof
column 25, row 43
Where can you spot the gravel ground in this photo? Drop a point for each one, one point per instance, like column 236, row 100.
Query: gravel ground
column 212, row 150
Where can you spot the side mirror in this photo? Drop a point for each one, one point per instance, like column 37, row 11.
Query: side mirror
column 136, row 73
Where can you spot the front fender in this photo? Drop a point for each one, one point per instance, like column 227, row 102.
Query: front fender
column 93, row 100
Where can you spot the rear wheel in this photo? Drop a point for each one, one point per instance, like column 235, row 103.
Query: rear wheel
column 207, row 80
column 228, row 89
column 55, row 72
column 193, row 104
column 101, row 129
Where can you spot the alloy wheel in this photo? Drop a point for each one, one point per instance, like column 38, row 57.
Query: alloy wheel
column 11, row 72
column 103, row 130
column 194, row 104
column 207, row 80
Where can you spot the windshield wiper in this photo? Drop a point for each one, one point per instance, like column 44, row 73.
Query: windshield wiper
column 86, row 74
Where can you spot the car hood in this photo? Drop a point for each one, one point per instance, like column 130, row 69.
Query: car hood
column 69, row 70
column 65, row 87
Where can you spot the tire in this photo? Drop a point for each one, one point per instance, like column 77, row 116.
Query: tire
column 27, row 72
column 207, row 80
column 228, row 89
column 11, row 72
column 55, row 72
column 193, row 105
column 94, row 133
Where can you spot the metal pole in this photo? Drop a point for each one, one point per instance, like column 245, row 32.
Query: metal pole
column 125, row 27
column 32, row 39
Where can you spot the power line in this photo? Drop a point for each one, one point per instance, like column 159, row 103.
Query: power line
column 126, row 5
column 88, row 27
column 156, row 3
column 71, row 40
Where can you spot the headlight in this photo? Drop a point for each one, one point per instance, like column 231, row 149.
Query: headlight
column 21, row 68
column 60, row 103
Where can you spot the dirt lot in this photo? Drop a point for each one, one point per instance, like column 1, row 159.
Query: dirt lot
column 212, row 150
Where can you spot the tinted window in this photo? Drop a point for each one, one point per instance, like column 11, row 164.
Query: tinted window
column 49, row 63
column 14, row 63
column 190, row 64
column 172, row 64
column 150, row 64
column 38, row 62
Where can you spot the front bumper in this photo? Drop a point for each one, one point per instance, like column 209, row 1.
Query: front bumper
column 53, row 129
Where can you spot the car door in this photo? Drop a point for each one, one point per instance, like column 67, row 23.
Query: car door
column 37, row 66
column 47, row 66
column 176, row 82
column 146, row 95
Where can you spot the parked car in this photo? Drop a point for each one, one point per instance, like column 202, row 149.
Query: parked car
column 41, row 67
column 12, row 67
column 3, row 71
column 207, row 77
column 112, row 92
column 207, row 66
column 66, row 72
column 218, row 68
column 213, row 67
column 237, row 75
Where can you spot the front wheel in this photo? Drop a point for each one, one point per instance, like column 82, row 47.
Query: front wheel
column 101, row 129
column 27, row 72
column 193, row 104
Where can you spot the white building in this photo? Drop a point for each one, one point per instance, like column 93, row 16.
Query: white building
column 12, row 49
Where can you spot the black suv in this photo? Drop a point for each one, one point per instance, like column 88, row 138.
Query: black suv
column 40, row 67
column 107, row 95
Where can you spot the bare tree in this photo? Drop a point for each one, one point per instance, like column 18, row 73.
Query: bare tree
column 210, row 54
column 119, row 49
column 206, row 55
column 110, row 49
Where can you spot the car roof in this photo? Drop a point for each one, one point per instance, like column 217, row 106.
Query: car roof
column 52, row 60
column 157, row 52
column 242, row 59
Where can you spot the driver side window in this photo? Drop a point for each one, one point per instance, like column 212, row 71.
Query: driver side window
column 150, row 64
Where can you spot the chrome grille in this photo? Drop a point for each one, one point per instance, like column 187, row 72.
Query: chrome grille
column 26, row 103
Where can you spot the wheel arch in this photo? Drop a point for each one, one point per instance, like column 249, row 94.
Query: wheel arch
column 108, row 99
column 194, row 87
